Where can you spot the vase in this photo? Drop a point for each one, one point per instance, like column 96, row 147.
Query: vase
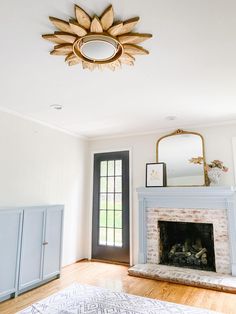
column 214, row 175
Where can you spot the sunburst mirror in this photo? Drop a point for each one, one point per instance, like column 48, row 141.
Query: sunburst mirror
column 97, row 42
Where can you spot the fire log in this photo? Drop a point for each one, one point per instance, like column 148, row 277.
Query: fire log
column 199, row 254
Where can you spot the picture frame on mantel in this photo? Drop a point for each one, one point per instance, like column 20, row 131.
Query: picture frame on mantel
column 156, row 175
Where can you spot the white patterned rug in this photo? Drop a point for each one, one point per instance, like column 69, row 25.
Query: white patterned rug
column 83, row 299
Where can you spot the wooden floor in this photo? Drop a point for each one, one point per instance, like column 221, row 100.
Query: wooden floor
column 115, row 277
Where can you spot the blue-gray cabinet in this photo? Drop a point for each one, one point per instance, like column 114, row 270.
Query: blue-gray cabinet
column 31, row 257
column 31, row 248
column 52, row 244
column 10, row 237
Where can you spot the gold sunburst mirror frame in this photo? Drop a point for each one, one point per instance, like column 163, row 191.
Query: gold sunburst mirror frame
column 97, row 42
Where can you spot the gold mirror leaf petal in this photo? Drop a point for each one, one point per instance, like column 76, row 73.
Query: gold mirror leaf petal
column 53, row 39
column 60, row 24
column 67, row 38
column 115, row 29
column 78, row 29
column 96, row 26
column 129, row 25
column 82, row 17
column 135, row 50
column 107, row 18
column 133, row 38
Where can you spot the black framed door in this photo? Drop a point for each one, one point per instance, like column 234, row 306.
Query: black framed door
column 110, row 234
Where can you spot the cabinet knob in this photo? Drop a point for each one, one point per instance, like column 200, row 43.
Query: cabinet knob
column 45, row 243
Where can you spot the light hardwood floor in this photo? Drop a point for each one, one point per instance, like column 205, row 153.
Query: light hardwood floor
column 115, row 277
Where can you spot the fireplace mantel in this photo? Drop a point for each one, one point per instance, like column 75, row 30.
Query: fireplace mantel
column 212, row 198
column 188, row 197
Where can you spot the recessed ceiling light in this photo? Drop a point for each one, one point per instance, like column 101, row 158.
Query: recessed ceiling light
column 56, row 107
column 171, row 118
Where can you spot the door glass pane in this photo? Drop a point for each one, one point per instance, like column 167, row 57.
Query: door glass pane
column 110, row 219
column 103, row 218
column 110, row 202
column 111, row 184
column 118, row 201
column 110, row 236
column 118, row 185
column 103, row 168
column 103, row 202
column 118, row 219
column 111, row 168
column 102, row 236
column 118, row 237
column 103, row 185
column 118, row 167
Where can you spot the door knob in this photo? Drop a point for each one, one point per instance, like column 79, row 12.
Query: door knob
column 45, row 243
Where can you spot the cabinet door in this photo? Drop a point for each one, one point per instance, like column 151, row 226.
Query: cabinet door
column 10, row 229
column 53, row 239
column 32, row 247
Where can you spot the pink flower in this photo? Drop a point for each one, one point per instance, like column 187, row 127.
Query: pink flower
column 225, row 169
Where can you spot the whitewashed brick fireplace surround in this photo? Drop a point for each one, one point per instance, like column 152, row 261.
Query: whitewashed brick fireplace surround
column 214, row 205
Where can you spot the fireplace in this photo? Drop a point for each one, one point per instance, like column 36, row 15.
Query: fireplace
column 187, row 244
column 189, row 220
column 197, row 205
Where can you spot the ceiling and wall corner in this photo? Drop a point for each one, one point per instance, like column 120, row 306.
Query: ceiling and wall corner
column 190, row 72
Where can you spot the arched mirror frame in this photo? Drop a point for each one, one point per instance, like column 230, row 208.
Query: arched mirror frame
column 180, row 132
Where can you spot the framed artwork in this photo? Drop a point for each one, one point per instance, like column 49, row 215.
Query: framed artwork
column 155, row 174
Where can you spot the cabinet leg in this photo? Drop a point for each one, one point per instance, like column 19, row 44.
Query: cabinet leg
column 14, row 295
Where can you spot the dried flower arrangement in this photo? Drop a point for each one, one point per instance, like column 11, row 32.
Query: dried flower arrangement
column 216, row 164
column 196, row 160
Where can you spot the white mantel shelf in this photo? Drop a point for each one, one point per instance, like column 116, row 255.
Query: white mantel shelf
column 217, row 197
column 203, row 190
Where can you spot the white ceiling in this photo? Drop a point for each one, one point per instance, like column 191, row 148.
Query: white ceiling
column 190, row 73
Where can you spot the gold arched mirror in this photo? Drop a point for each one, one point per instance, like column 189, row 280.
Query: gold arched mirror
column 184, row 155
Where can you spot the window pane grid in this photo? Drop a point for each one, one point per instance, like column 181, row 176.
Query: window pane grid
column 107, row 193
column 110, row 206
column 111, row 176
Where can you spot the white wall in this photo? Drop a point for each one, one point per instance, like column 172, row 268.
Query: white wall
column 38, row 166
column 218, row 144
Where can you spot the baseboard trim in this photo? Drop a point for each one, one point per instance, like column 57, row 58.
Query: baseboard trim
column 108, row 262
column 93, row 260
column 82, row 260
column 78, row 261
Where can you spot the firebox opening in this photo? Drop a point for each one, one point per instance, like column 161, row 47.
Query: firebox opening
column 189, row 245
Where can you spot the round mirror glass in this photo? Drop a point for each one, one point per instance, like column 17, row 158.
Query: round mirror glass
column 98, row 50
